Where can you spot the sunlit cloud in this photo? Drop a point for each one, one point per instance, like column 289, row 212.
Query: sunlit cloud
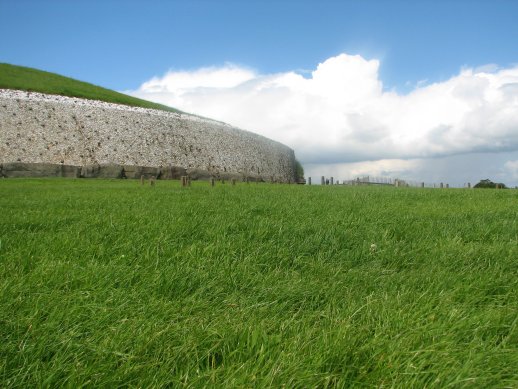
column 511, row 168
column 339, row 114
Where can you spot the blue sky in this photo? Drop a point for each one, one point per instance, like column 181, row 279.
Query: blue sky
column 119, row 44
column 424, row 90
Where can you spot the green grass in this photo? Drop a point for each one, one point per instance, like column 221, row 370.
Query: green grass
column 28, row 79
column 111, row 284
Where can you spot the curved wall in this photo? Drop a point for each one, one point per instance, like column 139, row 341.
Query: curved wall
column 45, row 129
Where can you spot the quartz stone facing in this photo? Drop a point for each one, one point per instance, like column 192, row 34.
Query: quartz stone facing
column 94, row 136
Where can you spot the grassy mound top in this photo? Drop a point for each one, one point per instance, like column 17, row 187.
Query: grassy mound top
column 33, row 80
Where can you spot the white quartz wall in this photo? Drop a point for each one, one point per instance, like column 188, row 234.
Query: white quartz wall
column 38, row 128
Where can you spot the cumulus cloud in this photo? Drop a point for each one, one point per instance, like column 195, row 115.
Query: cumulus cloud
column 340, row 114
column 385, row 168
column 511, row 168
column 456, row 170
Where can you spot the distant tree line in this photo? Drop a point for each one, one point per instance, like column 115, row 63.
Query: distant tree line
column 299, row 171
column 487, row 183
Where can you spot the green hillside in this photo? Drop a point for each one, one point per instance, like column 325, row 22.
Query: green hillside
column 28, row 79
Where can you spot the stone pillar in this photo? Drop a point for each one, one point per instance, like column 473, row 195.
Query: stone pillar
column 331, row 181
column 323, row 181
column 309, row 180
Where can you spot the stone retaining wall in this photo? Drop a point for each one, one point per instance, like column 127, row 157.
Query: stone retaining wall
column 56, row 136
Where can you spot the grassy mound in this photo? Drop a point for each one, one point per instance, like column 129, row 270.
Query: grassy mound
column 28, row 79
column 112, row 284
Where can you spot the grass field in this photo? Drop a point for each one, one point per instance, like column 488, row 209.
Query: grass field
column 28, row 79
column 111, row 284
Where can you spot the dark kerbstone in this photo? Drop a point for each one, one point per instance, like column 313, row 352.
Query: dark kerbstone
column 199, row 174
column 70, row 171
column 230, row 176
column 172, row 172
column 22, row 169
column 102, row 171
column 134, row 171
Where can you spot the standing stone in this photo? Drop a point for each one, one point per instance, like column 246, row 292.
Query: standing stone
column 331, row 180
column 323, row 180
column 309, row 180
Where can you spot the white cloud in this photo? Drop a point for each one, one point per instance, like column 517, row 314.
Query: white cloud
column 385, row 168
column 339, row 114
column 512, row 169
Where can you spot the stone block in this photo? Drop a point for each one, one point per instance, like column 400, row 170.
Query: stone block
column 70, row 171
column 229, row 176
column 199, row 174
column 22, row 169
column 134, row 171
column 102, row 171
column 173, row 172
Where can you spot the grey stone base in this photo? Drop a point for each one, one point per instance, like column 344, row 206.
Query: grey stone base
column 102, row 171
column 26, row 170
column 20, row 169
